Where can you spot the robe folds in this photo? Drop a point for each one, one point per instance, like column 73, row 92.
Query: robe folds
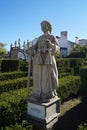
column 45, row 73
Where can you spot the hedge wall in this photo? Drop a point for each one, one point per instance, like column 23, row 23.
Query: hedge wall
column 65, row 64
column 13, row 107
column 83, row 75
column 78, row 55
column 13, row 104
column 67, row 86
column 9, row 65
column 13, row 84
column 0, row 64
column 13, row 65
column 12, row 75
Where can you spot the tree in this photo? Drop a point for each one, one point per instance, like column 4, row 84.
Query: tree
column 78, row 52
column 2, row 49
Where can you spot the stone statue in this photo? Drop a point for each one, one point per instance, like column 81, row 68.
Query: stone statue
column 45, row 73
column 19, row 43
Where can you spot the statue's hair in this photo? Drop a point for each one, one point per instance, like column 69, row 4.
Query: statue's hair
column 45, row 22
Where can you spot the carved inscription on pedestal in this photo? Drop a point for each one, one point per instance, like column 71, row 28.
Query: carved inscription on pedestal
column 36, row 110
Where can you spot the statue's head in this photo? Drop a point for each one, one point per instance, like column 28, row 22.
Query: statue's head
column 46, row 26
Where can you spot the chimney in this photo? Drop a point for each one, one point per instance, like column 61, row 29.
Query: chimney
column 64, row 34
column 76, row 40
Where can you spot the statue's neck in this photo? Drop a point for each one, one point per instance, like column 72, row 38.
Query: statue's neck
column 46, row 33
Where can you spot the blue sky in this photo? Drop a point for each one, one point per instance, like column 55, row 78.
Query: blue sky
column 22, row 18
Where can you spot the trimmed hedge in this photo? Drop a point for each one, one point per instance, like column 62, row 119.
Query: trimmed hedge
column 69, row 64
column 12, row 75
column 67, row 86
column 0, row 64
column 13, row 104
column 77, row 55
column 83, row 75
column 82, row 126
column 6, row 86
column 23, row 65
column 63, row 62
column 13, row 107
column 13, row 65
column 69, row 71
column 9, row 65
column 13, row 84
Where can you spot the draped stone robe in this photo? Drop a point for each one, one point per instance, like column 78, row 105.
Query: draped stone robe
column 45, row 73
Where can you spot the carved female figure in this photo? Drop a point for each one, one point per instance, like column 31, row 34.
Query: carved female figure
column 45, row 73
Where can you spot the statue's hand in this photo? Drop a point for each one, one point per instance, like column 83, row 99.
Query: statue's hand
column 48, row 43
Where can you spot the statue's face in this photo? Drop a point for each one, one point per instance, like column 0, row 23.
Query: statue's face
column 45, row 27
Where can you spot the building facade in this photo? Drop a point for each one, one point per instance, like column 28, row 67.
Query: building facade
column 65, row 45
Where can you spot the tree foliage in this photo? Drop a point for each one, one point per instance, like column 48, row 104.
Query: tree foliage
column 79, row 48
column 2, row 49
column 78, row 52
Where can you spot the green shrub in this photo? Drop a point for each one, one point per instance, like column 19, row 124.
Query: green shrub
column 23, row 65
column 0, row 64
column 67, row 86
column 25, row 125
column 13, row 84
column 77, row 55
column 66, row 64
column 82, row 126
column 63, row 62
column 83, row 75
column 12, row 75
column 69, row 71
column 13, row 65
column 61, row 75
column 76, row 62
column 9, row 65
column 13, row 104
column 13, row 107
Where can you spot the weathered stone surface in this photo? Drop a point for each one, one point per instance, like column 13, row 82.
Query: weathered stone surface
column 45, row 73
column 44, row 114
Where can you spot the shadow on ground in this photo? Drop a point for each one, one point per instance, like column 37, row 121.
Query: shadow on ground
column 72, row 118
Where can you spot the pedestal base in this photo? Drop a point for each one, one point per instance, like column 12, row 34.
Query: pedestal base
column 44, row 115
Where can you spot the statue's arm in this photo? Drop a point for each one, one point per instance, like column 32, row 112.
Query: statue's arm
column 54, row 45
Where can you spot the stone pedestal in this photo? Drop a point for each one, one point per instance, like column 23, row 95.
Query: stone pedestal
column 44, row 115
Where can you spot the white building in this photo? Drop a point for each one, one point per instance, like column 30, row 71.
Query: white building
column 65, row 45
column 83, row 42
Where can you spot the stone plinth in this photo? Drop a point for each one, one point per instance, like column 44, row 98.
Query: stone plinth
column 44, row 115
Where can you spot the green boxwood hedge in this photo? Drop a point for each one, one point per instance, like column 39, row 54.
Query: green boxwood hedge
column 0, row 64
column 83, row 90
column 13, row 107
column 12, row 75
column 13, row 84
column 67, row 86
column 13, row 65
column 82, row 126
column 83, row 75
column 13, row 104
column 66, row 64
column 9, row 65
